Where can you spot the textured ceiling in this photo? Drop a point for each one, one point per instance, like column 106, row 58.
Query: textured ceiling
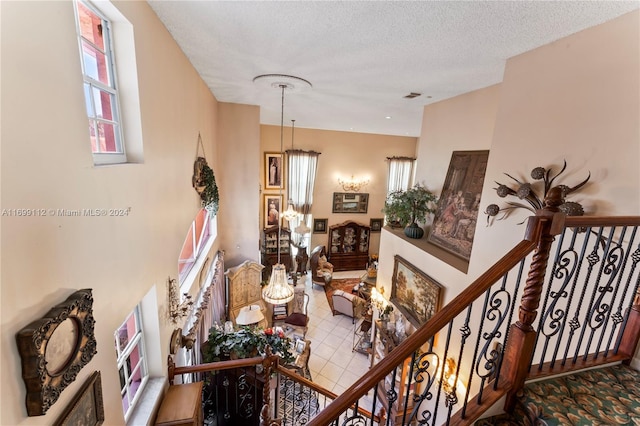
column 362, row 58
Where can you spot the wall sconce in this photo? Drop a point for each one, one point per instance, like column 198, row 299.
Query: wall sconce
column 450, row 382
column 352, row 184
column 378, row 300
column 179, row 341
column 177, row 310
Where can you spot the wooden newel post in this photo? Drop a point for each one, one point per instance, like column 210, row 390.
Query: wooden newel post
column 631, row 334
column 547, row 223
column 268, row 364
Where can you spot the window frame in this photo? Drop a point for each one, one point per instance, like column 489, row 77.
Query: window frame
column 100, row 158
column 122, row 354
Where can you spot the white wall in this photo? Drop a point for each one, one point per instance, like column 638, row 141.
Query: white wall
column 47, row 163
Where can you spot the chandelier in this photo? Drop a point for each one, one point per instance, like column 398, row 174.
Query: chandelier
column 278, row 291
column 352, row 184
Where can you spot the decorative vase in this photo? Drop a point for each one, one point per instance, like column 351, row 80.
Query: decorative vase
column 414, row 231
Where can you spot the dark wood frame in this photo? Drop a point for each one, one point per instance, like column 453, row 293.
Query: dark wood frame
column 267, row 160
column 376, row 224
column 456, row 216
column 320, row 226
column 44, row 387
column 266, row 209
column 427, row 292
column 87, row 401
column 341, row 199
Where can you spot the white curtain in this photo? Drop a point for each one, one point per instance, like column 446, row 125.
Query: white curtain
column 302, row 178
column 400, row 174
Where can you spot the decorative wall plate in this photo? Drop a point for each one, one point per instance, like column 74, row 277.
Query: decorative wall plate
column 55, row 348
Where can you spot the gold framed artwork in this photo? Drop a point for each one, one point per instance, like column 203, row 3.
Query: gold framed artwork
column 414, row 293
column 274, row 170
column 454, row 223
column 376, row 224
column 320, row 226
column 350, row 202
column 87, row 407
column 272, row 208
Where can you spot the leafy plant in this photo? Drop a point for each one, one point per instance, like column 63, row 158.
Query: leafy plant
column 246, row 343
column 533, row 194
column 410, row 206
column 209, row 196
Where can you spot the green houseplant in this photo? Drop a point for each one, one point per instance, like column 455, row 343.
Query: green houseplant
column 409, row 208
column 246, row 342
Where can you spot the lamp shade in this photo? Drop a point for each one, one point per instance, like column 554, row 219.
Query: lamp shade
column 278, row 291
column 249, row 315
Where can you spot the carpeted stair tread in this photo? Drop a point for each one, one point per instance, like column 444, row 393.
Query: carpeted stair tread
column 605, row 396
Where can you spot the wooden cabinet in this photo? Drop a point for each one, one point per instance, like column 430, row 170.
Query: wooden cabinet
column 384, row 342
column 348, row 246
column 181, row 405
column 270, row 247
column 244, row 289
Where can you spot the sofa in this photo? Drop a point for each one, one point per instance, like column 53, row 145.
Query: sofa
column 321, row 270
column 348, row 304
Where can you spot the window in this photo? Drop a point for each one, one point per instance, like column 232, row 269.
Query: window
column 400, row 173
column 196, row 238
column 302, row 178
column 132, row 362
column 100, row 88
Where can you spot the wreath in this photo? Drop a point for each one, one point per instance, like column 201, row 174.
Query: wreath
column 204, row 182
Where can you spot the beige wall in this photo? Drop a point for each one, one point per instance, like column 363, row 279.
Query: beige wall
column 344, row 154
column 46, row 163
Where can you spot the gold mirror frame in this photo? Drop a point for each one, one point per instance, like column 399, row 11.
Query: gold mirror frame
column 43, row 386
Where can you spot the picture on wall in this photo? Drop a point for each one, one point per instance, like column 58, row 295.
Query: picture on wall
column 87, row 407
column 375, row 224
column 454, row 223
column 272, row 206
column 320, row 226
column 413, row 292
column 273, row 170
column 349, row 202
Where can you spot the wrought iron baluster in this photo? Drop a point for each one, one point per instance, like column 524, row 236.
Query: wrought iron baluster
column 509, row 321
column 593, row 258
column 496, row 314
column 616, row 317
column 636, row 258
column 598, row 309
column 466, row 332
column 553, row 318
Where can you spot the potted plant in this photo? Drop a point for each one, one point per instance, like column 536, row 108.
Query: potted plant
column 410, row 207
column 246, row 342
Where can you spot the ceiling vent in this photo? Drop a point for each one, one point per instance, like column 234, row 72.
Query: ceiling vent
column 412, row 95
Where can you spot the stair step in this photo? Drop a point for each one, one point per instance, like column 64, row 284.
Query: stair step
column 605, row 396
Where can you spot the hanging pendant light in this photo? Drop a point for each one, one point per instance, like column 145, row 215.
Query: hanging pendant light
column 278, row 291
column 290, row 214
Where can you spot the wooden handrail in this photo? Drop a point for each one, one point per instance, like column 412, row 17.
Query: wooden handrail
column 572, row 221
column 211, row 366
column 435, row 324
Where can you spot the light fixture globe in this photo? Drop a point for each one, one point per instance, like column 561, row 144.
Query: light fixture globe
column 278, row 291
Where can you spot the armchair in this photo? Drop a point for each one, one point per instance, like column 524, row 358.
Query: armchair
column 348, row 304
column 321, row 270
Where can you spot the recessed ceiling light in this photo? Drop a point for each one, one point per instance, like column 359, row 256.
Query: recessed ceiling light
column 388, row 117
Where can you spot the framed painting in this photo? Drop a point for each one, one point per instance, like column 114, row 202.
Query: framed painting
column 375, row 224
column 320, row 226
column 350, row 202
column 272, row 206
column 87, row 407
column 454, row 223
column 414, row 293
column 273, row 170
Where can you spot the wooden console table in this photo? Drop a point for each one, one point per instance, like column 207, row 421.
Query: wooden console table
column 182, row 405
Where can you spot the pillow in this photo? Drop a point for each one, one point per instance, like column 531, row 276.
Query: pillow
column 297, row 319
column 322, row 261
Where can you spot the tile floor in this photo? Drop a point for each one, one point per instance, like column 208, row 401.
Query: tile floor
column 333, row 363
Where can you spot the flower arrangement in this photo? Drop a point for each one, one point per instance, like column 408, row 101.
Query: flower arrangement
column 533, row 196
column 245, row 343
